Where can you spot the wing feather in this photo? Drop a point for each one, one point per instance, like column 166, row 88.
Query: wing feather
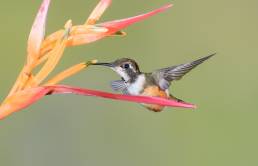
column 166, row 75
column 119, row 85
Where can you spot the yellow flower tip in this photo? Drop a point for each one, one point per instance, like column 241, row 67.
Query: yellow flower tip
column 68, row 27
column 94, row 61
column 68, row 24
column 124, row 34
column 88, row 63
column 120, row 33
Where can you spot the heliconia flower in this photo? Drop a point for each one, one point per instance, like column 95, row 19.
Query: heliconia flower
column 48, row 51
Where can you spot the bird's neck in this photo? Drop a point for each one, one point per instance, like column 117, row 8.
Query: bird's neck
column 132, row 77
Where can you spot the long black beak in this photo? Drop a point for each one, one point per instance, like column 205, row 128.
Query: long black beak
column 104, row 64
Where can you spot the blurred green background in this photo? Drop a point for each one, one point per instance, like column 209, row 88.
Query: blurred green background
column 74, row 130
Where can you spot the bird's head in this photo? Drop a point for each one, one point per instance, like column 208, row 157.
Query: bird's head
column 127, row 68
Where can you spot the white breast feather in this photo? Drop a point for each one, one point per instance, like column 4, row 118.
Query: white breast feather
column 136, row 87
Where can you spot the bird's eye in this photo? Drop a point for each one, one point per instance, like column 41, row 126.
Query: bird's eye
column 126, row 66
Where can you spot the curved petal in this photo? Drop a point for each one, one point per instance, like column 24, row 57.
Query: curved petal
column 37, row 32
column 69, row 72
column 84, row 35
column 123, row 23
column 60, row 89
column 98, row 11
column 25, row 98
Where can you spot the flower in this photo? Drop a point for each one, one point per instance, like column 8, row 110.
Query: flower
column 47, row 51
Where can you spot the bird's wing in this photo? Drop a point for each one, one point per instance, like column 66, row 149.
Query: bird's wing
column 119, row 85
column 166, row 75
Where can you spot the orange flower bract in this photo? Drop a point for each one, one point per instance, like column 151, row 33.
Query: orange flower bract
column 48, row 51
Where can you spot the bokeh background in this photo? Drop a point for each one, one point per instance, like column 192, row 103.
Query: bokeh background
column 74, row 130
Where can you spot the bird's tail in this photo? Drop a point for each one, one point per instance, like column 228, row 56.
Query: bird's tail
column 177, row 99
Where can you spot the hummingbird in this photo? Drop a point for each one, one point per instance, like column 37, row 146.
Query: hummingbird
column 154, row 84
